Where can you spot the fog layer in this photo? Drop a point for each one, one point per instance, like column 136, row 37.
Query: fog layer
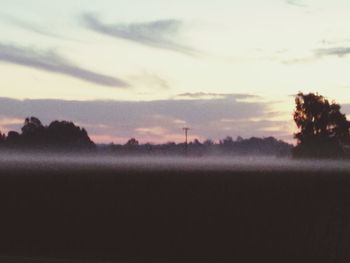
column 246, row 163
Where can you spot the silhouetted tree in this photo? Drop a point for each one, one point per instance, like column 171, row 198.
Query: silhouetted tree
column 2, row 138
column 148, row 147
column 59, row 135
column 323, row 129
column 33, row 133
column 227, row 141
column 208, row 143
column 196, row 142
column 226, row 144
column 239, row 139
column 63, row 134
column 12, row 139
column 31, row 126
column 132, row 142
column 132, row 146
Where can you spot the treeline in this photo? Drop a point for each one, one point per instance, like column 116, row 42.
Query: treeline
column 228, row 146
column 66, row 136
column 58, row 136
column 323, row 132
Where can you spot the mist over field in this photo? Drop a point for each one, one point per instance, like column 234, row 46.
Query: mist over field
column 215, row 163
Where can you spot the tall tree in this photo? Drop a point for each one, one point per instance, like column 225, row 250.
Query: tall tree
column 323, row 129
column 132, row 142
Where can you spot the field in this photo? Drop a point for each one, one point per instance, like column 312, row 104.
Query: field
column 166, row 213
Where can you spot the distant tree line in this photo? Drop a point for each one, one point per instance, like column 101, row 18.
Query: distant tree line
column 227, row 146
column 66, row 136
column 323, row 131
column 58, row 136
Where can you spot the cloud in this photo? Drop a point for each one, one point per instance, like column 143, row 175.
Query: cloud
column 154, row 121
column 336, row 51
column 296, row 3
column 320, row 53
column 213, row 95
column 30, row 27
column 303, row 60
column 150, row 80
column 52, row 62
column 157, row 34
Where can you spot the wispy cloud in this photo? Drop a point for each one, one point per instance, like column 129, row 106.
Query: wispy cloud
column 150, row 80
column 158, row 34
column 50, row 61
column 213, row 95
column 297, row 3
column 320, row 53
column 300, row 60
column 35, row 28
column 335, row 51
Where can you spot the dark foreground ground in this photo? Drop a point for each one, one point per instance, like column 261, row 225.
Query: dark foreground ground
column 173, row 215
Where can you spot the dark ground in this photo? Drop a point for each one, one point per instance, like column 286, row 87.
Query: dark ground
column 175, row 215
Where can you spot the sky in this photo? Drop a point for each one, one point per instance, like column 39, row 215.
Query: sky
column 146, row 69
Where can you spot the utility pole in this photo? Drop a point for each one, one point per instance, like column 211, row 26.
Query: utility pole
column 186, row 134
column 186, row 129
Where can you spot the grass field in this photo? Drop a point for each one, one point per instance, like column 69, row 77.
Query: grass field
column 171, row 214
